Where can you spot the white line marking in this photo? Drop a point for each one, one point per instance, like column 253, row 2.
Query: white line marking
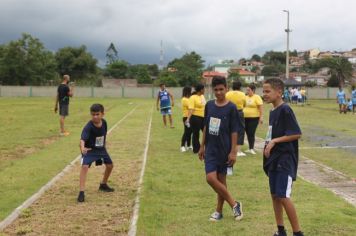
column 133, row 226
column 16, row 213
column 326, row 147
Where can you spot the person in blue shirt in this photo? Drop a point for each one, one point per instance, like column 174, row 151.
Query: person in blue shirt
column 341, row 100
column 280, row 161
column 286, row 96
column 218, row 146
column 349, row 105
column 353, row 99
column 93, row 149
column 165, row 103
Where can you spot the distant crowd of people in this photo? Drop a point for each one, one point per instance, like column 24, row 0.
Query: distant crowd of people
column 295, row 95
column 346, row 105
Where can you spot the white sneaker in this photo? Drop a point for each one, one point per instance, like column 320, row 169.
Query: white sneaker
column 252, row 152
column 241, row 154
column 216, row 216
column 182, row 149
column 248, row 151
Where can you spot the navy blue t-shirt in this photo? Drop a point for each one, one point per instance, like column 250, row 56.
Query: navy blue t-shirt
column 95, row 137
column 220, row 123
column 63, row 91
column 284, row 156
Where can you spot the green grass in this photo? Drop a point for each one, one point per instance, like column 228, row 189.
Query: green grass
column 176, row 200
column 28, row 123
column 321, row 123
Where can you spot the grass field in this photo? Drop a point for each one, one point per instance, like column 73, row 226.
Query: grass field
column 175, row 198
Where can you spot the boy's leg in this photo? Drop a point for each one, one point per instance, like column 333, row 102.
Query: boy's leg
column 220, row 204
column 291, row 213
column 278, row 210
column 170, row 120
column 61, row 123
column 219, row 188
column 164, row 120
column 83, row 177
column 108, row 169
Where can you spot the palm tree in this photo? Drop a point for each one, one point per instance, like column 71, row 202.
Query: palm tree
column 339, row 66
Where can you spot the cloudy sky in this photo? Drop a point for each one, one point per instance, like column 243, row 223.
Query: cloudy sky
column 216, row 29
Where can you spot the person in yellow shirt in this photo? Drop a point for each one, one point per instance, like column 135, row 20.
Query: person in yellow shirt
column 186, row 138
column 196, row 115
column 253, row 116
column 239, row 99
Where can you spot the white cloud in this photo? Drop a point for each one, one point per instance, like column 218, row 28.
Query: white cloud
column 215, row 29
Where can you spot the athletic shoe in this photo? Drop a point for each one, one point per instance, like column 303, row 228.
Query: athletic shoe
column 298, row 234
column 183, row 149
column 216, row 216
column 66, row 133
column 81, row 196
column 237, row 211
column 252, row 152
column 280, row 233
column 191, row 147
column 241, row 154
column 105, row 188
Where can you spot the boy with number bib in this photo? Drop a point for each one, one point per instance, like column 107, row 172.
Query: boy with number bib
column 92, row 147
column 280, row 160
column 218, row 147
column 165, row 103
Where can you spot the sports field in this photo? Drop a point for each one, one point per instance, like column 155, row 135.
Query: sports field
column 175, row 199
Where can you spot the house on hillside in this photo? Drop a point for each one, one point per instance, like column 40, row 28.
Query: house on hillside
column 208, row 76
column 223, row 68
column 247, row 76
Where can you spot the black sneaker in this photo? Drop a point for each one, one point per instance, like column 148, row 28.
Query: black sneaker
column 237, row 211
column 300, row 234
column 81, row 196
column 280, row 233
column 105, row 188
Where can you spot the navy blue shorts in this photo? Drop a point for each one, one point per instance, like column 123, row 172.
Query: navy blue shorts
column 89, row 158
column 280, row 184
column 212, row 165
column 166, row 111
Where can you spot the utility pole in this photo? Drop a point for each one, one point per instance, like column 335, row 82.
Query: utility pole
column 287, row 53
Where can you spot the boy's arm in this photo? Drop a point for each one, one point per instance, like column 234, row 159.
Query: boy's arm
column 83, row 149
column 170, row 94
column 202, row 146
column 261, row 114
column 56, row 104
column 232, row 155
column 282, row 139
column 157, row 103
column 71, row 89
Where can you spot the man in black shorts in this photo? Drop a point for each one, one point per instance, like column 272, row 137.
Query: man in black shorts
column 63, row 94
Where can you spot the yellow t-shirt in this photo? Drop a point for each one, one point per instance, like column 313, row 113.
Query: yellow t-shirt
column 197, row 103
column 237, row 97
column 252, row 103
column 185, row 105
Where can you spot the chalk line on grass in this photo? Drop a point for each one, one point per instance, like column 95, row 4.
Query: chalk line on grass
column 16, row 213
column 133, row 226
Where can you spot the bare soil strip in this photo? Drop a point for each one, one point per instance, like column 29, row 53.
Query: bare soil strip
column 324, row 176
column 56, row 212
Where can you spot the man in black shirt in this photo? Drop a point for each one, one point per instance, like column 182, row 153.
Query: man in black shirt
column 63, row 94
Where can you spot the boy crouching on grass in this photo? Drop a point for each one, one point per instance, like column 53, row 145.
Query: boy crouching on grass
column 92, row 146
column 280, row 160
column 218, row 147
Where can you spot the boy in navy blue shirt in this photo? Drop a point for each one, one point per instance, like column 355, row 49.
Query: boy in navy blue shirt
column 92, row 147
column 280, row 160
column 218, row 147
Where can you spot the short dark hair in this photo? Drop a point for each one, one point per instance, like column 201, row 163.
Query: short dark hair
column 161, row 84
column 187, row 91
column 236, row 85
column 97, row 108
column 217, row 80
column 199, row 87
column 275, row 83
column 252, row 86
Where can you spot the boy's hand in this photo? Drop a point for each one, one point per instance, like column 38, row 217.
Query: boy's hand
column 201, row 153
column 85, row 150
column 231, row 159
column 268, row 148
column 56, row 109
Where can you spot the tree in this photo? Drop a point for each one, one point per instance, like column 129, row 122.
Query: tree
column 234, row 75
column 272, row 70
column 256, row 57
column 76, row 62
column 26, row 61
column 188, row 68
column 339, row 66
column 333, row 81
column 167, row 78
column 140, row 73
column 111, row 54
column 118, row 69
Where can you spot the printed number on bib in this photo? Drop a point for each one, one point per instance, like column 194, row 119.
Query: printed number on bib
column 214, row 126
column 99, row 142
